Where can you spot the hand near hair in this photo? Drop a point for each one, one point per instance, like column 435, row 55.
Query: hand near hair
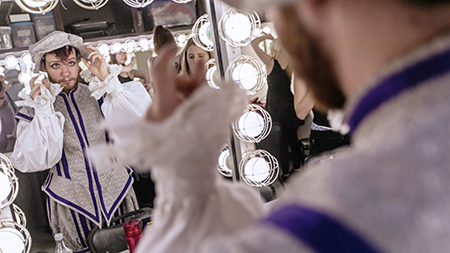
column 96, row 64
column 170, row 89
column 35, row 85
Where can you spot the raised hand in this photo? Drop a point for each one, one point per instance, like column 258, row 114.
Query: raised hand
column 170, row 89
column 35, row 84
column 96, row 63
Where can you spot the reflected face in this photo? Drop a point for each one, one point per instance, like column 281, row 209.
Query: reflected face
column 309, row 58
column 121, row 57
column 195, row 54
column 63, row 72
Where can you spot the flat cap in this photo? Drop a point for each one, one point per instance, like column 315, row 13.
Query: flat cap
column 53, row 41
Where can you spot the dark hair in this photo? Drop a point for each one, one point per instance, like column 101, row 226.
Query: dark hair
column 63, row 53
column 161, row 37
column 113, row 60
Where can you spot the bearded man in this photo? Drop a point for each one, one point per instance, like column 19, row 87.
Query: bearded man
column 386, row 63
column 60, row 121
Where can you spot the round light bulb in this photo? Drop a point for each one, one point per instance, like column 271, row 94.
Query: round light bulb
column 24, row 78
column 11, row 61
column 117, row 47
column 181, row 37
column 5, row 187
column 130, row 45
column 36, row 3
column 11, row 241
column 205, row 35
column 143, row 43
column 26, row 59
column 246, row 75
column 257, row 169
column 103, row 48
column 211, row 76
column 267, row 30
column 251, row 124
column 223, row 161
column 238, row 27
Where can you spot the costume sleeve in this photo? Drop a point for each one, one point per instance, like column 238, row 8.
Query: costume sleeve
column 194, row 201
column 130, row 97
column 39, row 140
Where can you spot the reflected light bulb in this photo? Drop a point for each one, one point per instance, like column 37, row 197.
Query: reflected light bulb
column 246, row 75
column 36, row 3
column 130, row 45
column 210, row 76
column 5, row 187
column 257, row 169
column 11, row 241
column 266, row 30
column 238, row 27
column 251, row 124
column 24, row 78
column 205, row 35
column 223, row 161
column 11, row 61
column 117, row 47
column 26, row 58
column 143, row 43
column 103, row 48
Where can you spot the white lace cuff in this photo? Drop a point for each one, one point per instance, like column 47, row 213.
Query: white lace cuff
column 110, row 85
column 43, row 103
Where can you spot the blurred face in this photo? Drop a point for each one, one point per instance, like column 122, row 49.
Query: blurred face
column 195, row 54
column 309, row 58
column 63, row 72
column 121, row 57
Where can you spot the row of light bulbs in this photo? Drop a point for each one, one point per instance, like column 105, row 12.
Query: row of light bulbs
column 44, row 6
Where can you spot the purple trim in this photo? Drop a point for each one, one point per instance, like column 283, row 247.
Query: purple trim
column 23, row 116
column 69, row 203
column 80, row 138
column 77, row 226
column 117, row 201
column 80, row 119
column 65, row 165
column 319, row 231
column 410, row 77
column 58, row 170
column 83, row 251
column 85, row 229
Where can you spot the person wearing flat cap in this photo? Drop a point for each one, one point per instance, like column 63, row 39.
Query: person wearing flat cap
column 60, row 121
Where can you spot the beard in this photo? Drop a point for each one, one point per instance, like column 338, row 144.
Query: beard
column 309, row 59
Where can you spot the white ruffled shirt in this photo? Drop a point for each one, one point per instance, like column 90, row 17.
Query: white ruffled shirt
column 39, row 142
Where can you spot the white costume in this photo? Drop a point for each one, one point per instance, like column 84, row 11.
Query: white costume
column 55, row 129
column 388, row 193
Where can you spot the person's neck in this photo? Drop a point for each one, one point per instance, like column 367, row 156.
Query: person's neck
column 364, row 47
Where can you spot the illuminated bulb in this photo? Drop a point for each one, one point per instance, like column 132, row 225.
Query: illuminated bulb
column 36, row 3
column 143, row 43
column 11, row 241
column 205, row 34
column 238, row 27
column 5, row 187
column 251, row 124
column 246, row 75
column 223, row 161
column 210, row 76
column 24, row 78
column 181, row 37
column 11, row 62
column 267, row 30
column 26, row 59
column 117, row 47
column 130, row 45
column 103, row 48
column 2, row 71
column 257, row 169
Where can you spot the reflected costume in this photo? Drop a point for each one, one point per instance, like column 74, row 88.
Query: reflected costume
column 387, row 193
column 54, row 131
